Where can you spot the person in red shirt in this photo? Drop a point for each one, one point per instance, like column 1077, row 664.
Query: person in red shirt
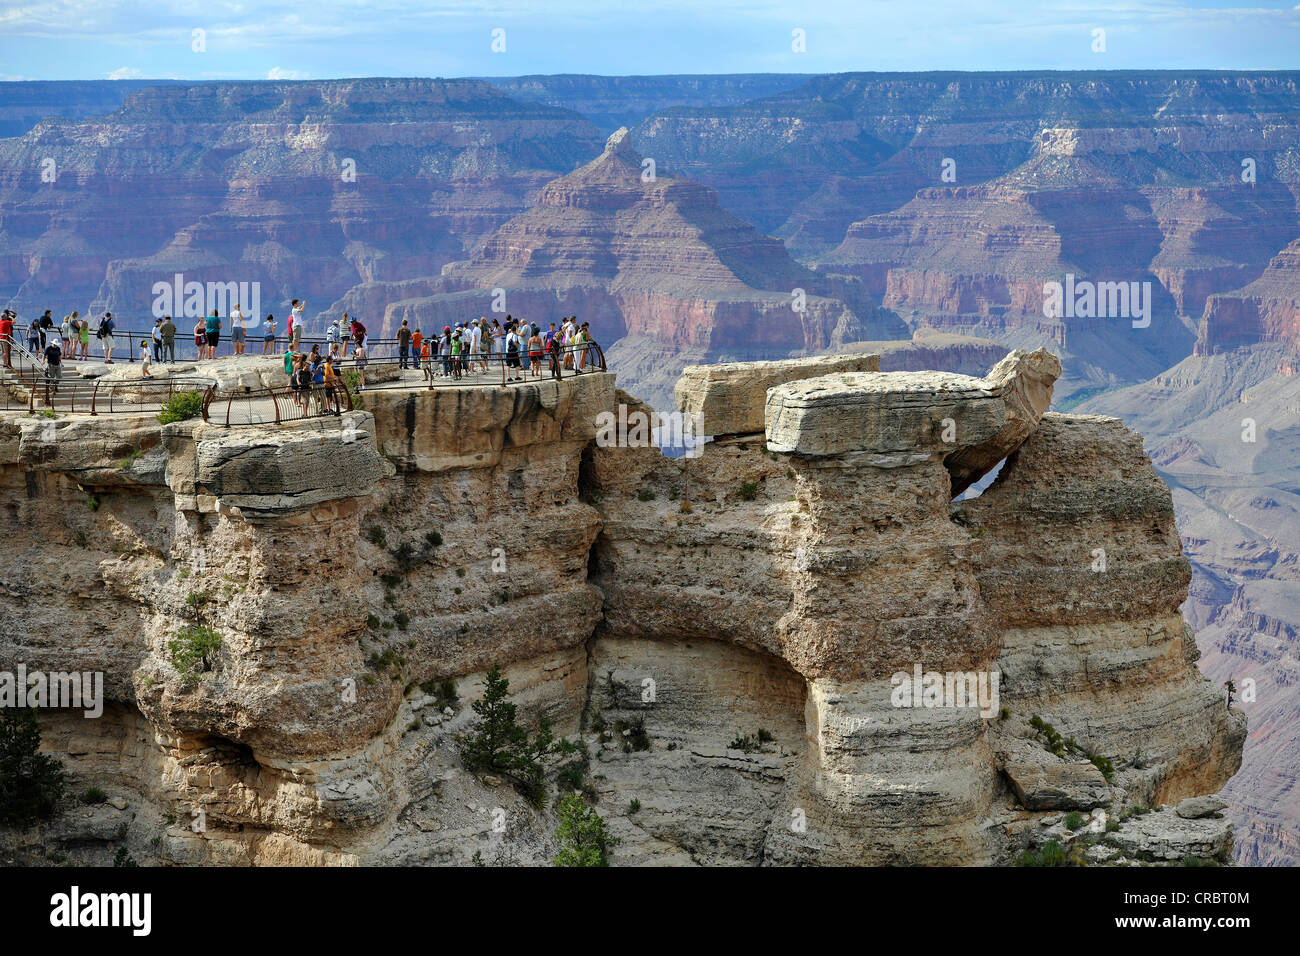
column 6, row 334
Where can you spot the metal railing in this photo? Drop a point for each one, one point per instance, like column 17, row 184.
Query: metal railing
column 26, row 383
column 276, row 404
column 484, row 368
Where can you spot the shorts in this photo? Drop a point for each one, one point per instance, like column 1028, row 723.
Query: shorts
column 237, row 335
column 269, row 337
column 214, row 338
column 108, row 341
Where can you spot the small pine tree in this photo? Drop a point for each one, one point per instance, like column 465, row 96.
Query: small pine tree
column 581, row 834
column 31, row 783
column 123, row 857
column 497, row 744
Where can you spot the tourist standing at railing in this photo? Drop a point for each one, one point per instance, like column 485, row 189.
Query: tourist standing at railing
column 6, row 337
column 294, row 328
column 83, row 335
column 33, row 337
column 212, row 332
column 403, row 345
column 512, row 356
column 553, row 348
column 360, row 356
column 417, row 340
column 444, row 351
column 156, row 334
column 238, row 329
column 167, row 331
column 535, row 347
column 332, row 337
column 105, row 333
column 476, row 345
column 294, row 367
column 426, row 361
column 457, row 348
column 65, row 332
column 53, row 363
column 331, row 380
column 580, row 346
column 200, row 337
column 268, row 337
column 358, row 335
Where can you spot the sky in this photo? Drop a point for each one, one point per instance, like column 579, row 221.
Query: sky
column 322, row 39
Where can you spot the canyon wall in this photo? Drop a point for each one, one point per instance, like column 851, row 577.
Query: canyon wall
column 723, row 632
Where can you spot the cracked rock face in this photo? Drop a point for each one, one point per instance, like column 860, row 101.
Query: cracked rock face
column 728, row 635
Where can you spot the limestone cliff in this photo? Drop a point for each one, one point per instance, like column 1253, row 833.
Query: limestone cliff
column 663, row 611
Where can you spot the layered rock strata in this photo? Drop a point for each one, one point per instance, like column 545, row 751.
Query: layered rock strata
column 725, row 633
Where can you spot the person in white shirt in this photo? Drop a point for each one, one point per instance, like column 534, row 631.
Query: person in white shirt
column 295, row 323
column 237, row 329
column 476, row 344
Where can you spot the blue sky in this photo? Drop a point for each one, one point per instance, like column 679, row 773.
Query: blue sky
column 94, row 39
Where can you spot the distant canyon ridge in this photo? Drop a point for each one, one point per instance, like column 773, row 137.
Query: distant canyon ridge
column 720, row 218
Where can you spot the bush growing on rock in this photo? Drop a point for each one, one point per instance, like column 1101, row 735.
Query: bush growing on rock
column 31, row 783
column 181, row 406
column 193, row 651
column 497, row 744
column 581, row 834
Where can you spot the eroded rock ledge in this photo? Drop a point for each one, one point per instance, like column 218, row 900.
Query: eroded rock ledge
column 779, row 581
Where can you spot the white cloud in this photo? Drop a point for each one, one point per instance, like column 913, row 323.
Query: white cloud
column 280, row 73
column 124, row 73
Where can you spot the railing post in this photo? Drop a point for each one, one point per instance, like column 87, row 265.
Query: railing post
column 94, row 393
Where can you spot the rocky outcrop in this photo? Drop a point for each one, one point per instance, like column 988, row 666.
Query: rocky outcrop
column 731, row 399
column 743, row 640
column 981, row 421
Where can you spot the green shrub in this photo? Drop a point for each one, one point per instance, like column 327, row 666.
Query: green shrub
column 92, row 795
column 376, row 536
column 497, row 744
column 193, row 651
column 634, row 806
column 1105, row 765
column 181, row 406
column 123, row 858
column 1052, row 854
column 31, row 783
column 749, row 490
column 401, row 619
column 432, row 539
column 634, row 735
column 581, row 834
column 443, row 691
column 645, row 494
column 1074, row 819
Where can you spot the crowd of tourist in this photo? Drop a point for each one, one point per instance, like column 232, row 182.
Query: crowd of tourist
column 465, row 349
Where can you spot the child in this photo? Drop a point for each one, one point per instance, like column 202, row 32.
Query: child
column 426, row 360
column 146, row 370
column 359, row 355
